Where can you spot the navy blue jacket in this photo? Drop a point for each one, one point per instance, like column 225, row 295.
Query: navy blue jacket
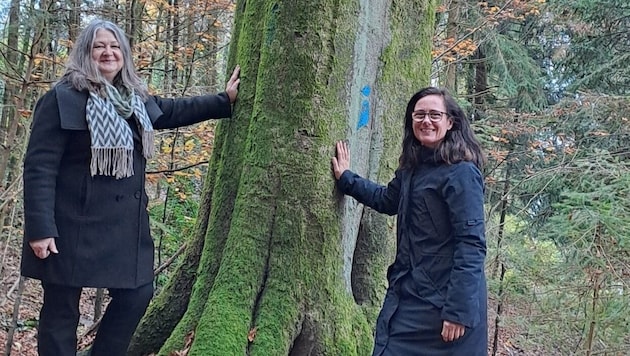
column 438, row 273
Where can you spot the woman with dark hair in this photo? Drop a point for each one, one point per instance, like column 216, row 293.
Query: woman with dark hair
column 436, row 300
column 85, row 205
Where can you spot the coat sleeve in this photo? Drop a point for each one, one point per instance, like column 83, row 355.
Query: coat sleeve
column 180, row 112
column 464, row 196
column 41, row 165
column 383, row 199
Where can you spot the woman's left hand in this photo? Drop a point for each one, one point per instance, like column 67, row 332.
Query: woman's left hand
column 232, row 85
column 452, row 331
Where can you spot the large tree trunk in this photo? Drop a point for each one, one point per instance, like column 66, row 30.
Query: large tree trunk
column 281, row 271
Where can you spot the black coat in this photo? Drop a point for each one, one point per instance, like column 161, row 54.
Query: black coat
column 100, row 223
column 438, row 273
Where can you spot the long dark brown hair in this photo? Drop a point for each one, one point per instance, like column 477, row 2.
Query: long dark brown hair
column 458, row 145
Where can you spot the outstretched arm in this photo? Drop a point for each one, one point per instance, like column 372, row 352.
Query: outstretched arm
column 383, row 199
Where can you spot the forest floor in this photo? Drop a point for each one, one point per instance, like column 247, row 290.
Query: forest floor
column 30, row 296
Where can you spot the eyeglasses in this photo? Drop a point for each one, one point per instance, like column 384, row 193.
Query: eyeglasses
column 434, row 115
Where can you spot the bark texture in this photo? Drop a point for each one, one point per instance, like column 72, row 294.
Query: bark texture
column 281, row 271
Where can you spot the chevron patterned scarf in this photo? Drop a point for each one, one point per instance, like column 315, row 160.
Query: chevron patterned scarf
column 111, row 135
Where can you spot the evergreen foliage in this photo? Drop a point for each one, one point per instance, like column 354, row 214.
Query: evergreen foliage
column 592, row 44
column 518, row 78
column 565, row 243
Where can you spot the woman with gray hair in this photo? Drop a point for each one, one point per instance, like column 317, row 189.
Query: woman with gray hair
column 85, row 205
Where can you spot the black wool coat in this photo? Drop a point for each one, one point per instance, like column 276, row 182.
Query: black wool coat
column 100, row 224
column 438, row 273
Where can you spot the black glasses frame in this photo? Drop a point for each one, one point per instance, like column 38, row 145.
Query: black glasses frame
column 434, row 115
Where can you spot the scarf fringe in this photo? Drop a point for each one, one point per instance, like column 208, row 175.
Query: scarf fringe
column 148, row 144
column 117, row 162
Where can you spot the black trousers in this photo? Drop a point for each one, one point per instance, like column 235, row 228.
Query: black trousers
column 59, row 318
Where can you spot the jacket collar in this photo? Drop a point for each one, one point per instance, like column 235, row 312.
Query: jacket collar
column 72, row 102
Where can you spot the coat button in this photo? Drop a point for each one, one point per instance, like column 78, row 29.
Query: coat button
column 137, row 194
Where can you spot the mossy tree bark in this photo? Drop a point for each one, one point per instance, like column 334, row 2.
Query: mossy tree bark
column 287, row 266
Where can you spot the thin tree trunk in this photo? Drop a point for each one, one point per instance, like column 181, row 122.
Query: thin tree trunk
column 497, row 319
column 597, row 276
column 503, row 214
column 175, row 23
column 452, row 31
column 74, row 20
column 133, row 21
column 481, row 79
column 592, row 325
column 14, row 316
column 8, row 117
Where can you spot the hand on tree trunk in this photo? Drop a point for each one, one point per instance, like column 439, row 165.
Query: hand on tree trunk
column 341, row 162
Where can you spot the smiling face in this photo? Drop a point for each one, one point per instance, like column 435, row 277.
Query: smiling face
column 430, row 133
column 107, row 55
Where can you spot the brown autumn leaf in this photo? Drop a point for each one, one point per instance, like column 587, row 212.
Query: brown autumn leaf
column 252, row 335
column 190, row 337
column 25, row 113
column 499, row 139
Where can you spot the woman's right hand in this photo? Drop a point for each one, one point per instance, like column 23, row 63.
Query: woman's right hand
column 43, row 247
column 232, row 85
column 341, row 161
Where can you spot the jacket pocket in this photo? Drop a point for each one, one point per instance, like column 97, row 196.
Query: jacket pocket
column 431, row 275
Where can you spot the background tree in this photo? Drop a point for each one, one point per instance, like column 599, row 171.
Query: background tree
column 485, row 46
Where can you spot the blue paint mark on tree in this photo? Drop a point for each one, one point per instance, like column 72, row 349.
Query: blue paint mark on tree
column 364, row 114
